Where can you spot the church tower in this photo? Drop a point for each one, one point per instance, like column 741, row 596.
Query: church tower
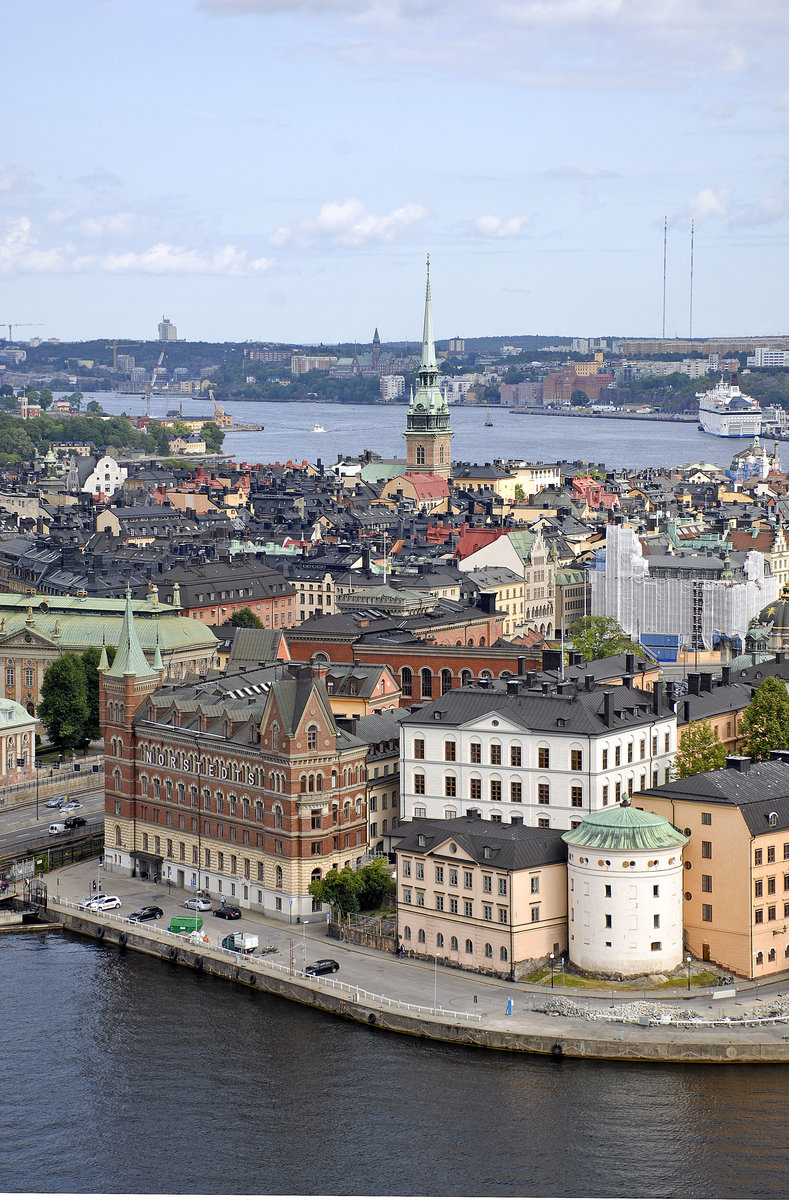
column 427, row 432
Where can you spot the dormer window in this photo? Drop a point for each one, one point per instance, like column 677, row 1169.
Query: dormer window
column 772, row 818
column 421, row 841
column 487, row 852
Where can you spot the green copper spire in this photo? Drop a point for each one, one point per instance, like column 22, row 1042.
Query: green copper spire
column 428, row 400
column 428, row 362
column 158, row 665
column 130, row 659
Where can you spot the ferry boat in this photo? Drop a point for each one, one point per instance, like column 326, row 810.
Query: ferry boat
column 726, row 412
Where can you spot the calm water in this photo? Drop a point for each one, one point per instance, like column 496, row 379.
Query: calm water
column 123, row 1074
column 353, row 428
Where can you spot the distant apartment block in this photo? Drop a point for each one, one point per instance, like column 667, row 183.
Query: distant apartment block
column 300, row 364
column 392, row 387
column 167, row 331
column 766, row 356
column 126, row 362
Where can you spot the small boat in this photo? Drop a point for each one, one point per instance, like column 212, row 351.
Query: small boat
column 318, row 429
column 488, row 418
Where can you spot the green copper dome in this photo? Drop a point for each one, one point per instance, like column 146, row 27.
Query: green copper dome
column 625, row 828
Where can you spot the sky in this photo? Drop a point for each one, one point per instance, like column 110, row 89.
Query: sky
column 277, row 170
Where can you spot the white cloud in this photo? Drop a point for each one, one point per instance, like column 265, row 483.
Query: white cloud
column 766, row 211
column 14, row 179
column 110, row 225
column 348, row 223
column 501, row 227
column 708, row 204
column 20, row 254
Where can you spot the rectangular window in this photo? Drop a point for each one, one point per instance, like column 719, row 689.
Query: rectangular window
column 666, row 743
column 440, row 903
column 419, row 785
column 453, row 877
column 771, row 886
column 420, row 870
column 419, row 748
column 467, row 879
column 706, row 883
column 449, row 751
column 543, row 758
column 758, row 916
column 453, row 905
column 475, row 789
column 706, row 849
column 495, row 755
column 450, row 786
column 406, row 895
column 502, row 887
column 617, row 756
column 771, row 912
column 629, row 752
column 476, row 752
column 407, row 868
column 608, row 891
column 502, row 916
column 576, row 760
column 706, row 912
column 543, row 823
column 758, row 888
column 535, row 914
column 643, row 748
column 656, row 921
column 605, row 760
column 487, row 883
column 534, row 885
column 495, row 791
column 420, row 899
column 771, row 854
column 468, row 910
column 515, row 756
column 9, row 676
column 608, row 921
column 516, row 792
column 543, row 793
column 757, row 858
column 487, row 912
column 605, row 794
column 577, row 797
column 706, row 818
column 439, row 874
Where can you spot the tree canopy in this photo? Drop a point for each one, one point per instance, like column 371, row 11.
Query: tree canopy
column 700, row 749
column 244, row 618
column 597, row 637
column 351, row 890
column 765, row 722
column 63, row 707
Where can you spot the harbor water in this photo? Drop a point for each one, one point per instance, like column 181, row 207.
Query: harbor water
column 122, row 1073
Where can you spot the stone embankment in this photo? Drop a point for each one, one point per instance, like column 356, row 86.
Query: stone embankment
column 561, row 1030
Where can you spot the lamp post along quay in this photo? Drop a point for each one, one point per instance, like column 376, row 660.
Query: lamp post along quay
column 687, row 960
column 553, row 965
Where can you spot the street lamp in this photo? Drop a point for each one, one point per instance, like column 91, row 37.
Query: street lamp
column 304, row 944
column 687, row 960
column 435, row 983
column 553, row 964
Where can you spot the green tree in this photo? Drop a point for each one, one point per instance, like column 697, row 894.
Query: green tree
column 597, row 637
column 244, row 618
column 45, row 398
column 75, row 400
column 213, row 437
column 376, row 881
column 700, row 749
column 765, row 722
column 519, row 492
column 94, row 407
column 579, row 398
column 63, row 708
column 338, row 888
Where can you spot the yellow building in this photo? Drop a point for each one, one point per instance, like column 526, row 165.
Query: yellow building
column 736, row 888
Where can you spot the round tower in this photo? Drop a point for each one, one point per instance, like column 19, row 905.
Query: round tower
column 624, row 885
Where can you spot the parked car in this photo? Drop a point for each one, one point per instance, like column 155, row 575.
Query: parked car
column 56, row 802
column 231, row 912
column 86, row 903
column 104, row 904
column 324, row 966
column 198, row 904
column 58, row 827
column 148, row 912
column 74, row 822
column 70, row 805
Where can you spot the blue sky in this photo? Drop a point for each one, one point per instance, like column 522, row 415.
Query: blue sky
column 277, row 169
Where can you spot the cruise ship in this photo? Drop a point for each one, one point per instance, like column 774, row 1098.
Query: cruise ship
column 725, row 412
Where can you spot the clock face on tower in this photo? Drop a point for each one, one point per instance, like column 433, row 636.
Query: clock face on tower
column 420, row 408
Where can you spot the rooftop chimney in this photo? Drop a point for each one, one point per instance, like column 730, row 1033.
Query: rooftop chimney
column 608, row 708
column 657, row 697
column 694, row 685
column 779, row 756
column 738, row 762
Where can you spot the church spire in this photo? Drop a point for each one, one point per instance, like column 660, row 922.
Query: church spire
column 129, row 659
column 428, row 362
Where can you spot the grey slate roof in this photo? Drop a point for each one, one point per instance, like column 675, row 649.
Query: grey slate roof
column 514, row 847
column 760, row 790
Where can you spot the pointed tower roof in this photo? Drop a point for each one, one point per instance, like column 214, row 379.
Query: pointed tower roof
column 428, row 399
column 130, row 659
column 428, row 345
column 158, row 665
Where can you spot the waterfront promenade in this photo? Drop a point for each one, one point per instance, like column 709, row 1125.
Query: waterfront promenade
column 428, row 1001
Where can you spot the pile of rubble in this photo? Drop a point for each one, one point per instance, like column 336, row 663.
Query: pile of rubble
column 632, row 1013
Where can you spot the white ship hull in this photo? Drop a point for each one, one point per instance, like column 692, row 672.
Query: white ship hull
column 726, row 412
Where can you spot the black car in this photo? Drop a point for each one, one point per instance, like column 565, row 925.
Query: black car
column 74, row 822
column 324, row 966
column 149, row 912
column 231, row 912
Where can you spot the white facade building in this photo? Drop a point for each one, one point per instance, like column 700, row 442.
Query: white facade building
column 624, row 892
column 537, row 753
column 105, row 478
column 392, row 387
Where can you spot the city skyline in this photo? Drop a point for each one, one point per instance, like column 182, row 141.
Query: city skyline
column 274, row 171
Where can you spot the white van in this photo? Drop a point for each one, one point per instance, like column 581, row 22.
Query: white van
column 58, row 827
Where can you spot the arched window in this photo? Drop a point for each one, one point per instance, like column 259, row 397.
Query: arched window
column 771, row 955
column 277, row 816
column 312, row 737
column 406, row 681
column 426, row 676
column 318, row 783
column 453, row 943
column 466, row 677
column 407, row 934
column 759, row 959
column 275, row 736
column 446, row 681
column 278, row 877
column 303, row 783
column 316, row 875
column 420, row 937
column 118, row 838
column 503, row 953
column 469, row 947
column 420, row 456
column 311, row 784
column 117, row 779
column 440, row 941
column 441, row 453
column 488, row 950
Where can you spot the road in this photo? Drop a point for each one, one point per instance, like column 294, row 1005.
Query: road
column 20, row 830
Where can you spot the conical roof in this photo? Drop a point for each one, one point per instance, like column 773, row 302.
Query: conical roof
column 130, row 659
column 624, row 828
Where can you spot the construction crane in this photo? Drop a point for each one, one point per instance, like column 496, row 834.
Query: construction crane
column 152, row 384
column 219, row 412
column 18, row 325
column 115, row 346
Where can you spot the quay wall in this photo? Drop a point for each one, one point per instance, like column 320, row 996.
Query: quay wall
column 576, row 1039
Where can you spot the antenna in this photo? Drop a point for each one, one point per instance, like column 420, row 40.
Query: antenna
column 690, row 333
column 664, row 238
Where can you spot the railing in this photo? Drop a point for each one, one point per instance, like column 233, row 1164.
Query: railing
column 73, row 773
column 353, row 992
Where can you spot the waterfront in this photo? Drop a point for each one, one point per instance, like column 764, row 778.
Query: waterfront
column 131, row 1075
column 351, row 429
